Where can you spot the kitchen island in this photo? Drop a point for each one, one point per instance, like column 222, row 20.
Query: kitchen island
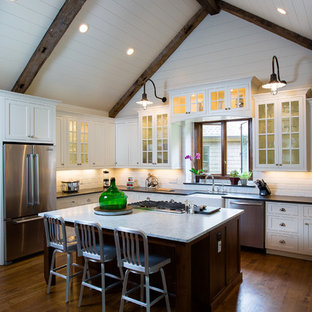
column 205, row 250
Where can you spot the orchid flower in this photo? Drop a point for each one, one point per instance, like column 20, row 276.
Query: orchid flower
column 191, row 158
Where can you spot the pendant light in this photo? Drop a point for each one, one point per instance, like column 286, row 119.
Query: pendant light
column 144, row 101
column 275, row 81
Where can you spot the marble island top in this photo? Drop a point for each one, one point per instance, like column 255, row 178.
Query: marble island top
column 176, row 227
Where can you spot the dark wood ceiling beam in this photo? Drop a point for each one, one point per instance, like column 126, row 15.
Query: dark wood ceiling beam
column 261, row 22
column 53, row 35
column 158, row 61
column 211, row 6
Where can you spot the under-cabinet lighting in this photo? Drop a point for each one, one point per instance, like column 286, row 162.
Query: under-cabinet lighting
column 281, row 11
column 130, row 51
column 83, row 28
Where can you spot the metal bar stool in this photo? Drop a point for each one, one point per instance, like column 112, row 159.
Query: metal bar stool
column 56, row 237
column 91, row 247
column 132, row 254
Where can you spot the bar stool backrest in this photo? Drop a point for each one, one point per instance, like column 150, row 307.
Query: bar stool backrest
column 55, row 232
column 132, row 249
column 89, row 240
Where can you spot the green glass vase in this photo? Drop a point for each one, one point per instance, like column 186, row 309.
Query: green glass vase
column 113, row 199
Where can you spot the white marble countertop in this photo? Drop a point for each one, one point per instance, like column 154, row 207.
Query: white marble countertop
column 176, row 227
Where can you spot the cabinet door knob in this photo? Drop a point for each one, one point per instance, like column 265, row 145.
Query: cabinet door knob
column 282, row 241
column 283, row 209
column 62, row 164
column 276, row 164
column 282, row 224
column 306, row 223
column 94, row 163
column 88, row 200
column 73, row 201
column 137, row 162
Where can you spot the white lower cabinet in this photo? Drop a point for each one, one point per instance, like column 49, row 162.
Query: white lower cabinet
column 289, row 228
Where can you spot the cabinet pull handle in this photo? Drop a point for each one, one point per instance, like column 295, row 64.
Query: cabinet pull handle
column 88, row 200
column 94, row 163
column 282, row 241
column 73, row 201
column 276, row 164
column 137, row 162
column 282, row 224
column 62, row 164
column 187, row 113
column 283, row 209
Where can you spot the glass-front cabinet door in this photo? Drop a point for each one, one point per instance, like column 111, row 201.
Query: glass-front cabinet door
column 77, row 143
column 280, row 129
column 154, row 139
column 266, row 124
column 290, row 133
column 217, row 100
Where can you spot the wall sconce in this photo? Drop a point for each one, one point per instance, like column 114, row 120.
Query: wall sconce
column 144, row 101
column 275, row 81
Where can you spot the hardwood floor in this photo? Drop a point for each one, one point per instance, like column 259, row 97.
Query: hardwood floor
column 271, row 284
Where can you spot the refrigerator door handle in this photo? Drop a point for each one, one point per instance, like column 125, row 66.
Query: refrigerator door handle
column 25, row 220
column 32, row 183
column 36, row 160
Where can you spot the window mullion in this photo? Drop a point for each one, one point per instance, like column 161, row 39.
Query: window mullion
column 224, row 147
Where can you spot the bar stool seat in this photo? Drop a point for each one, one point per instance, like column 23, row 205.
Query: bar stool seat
column 56, row 237
column 133, row 255
column 90, row 245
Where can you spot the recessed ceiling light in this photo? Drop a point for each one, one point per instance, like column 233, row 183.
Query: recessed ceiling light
column 281, row 11
column 83, row 28
column 130, row 51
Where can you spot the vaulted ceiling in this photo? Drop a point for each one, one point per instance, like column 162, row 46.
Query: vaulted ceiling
column 93, row 70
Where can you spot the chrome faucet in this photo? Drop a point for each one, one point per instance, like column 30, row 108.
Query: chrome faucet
column 212, row 178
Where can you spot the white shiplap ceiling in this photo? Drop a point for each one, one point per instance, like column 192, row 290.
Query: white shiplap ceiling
column 92, row 69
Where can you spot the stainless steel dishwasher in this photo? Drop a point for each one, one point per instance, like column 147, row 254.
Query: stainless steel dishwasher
column 251, row 221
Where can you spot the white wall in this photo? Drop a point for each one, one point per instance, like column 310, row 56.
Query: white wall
column 225, row 47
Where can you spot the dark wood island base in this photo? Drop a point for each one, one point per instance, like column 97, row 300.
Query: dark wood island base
column 202, row 272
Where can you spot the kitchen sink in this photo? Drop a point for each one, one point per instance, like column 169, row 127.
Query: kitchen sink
column 207, row 199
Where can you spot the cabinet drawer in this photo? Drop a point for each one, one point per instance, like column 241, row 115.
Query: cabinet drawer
column 283, row 209
column 282, row 224
column 282, row 242
column 67, row 202
column 307, row 211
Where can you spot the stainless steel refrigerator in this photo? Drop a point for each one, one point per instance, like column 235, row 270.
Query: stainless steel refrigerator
column 29, row 188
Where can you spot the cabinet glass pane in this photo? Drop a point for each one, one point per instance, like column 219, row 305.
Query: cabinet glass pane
column 165, row 119
column 285, row 109
column 262, row 128
column 144, row 145
column 182, row 109
column 159, row 132
column 295, row 108
column 295, row 157
column 262, row 157
column 144, row 157
column 193, row 107
column 295, row 124
column 176, row 100
column 165, row 157
column 159, row 158
column 150, row 133
column 261, row 111
column 193, row 99
column 159, row 120
column 144, row 121
column 270, row 126
column 201, row 107
column 285, row 157
column 144, row 133
column 149, row 121
column 262, row 141
column 270, row 138
column 285, row 140
column 270, row 110
column 295, row 140
column 271, row 157
column 285, row 125
column 150, row 157
column 150, row 145
column 165, row 133
column 176, row 110
column 165, row 144
column 159, row 145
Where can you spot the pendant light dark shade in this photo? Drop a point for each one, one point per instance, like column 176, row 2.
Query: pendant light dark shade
column 275, row 81
column 144, row 101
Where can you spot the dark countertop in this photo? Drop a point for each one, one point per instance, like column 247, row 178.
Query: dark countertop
column 279, row 198
column 123, row 188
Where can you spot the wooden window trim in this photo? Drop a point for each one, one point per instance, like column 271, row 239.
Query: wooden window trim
column 198, row 147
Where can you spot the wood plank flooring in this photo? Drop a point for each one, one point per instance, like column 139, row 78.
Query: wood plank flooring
column 271, row 284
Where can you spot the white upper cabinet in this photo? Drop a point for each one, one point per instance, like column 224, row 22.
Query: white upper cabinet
column 127, row 143
column 218, row 100
column 102, row 144
column 156, row 135
column 84, row 142
column 29, row 119
column 280, row 134
column 187, row 103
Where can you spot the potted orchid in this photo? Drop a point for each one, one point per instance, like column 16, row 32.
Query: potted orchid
column 195, row 172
